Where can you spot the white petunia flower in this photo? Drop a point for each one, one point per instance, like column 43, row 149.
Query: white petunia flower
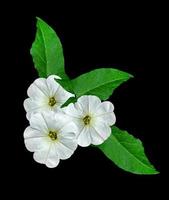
column 51, row 136
column 45, row 94
column 93, row 119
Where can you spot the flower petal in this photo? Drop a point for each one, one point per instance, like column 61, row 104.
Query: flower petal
column 34, row 139
column 64, row 122
column 73, row 111
column 105, row 107
column 38, row 89
column 84, row 138
column 69, row 130
column 62, row 95
column 52, row 85
column 32, row 106
column 65, row 148
column 50, row 120
column 37, row 121
column 95, row 137
column 53, row 77
column 105, row 113
column 30, row 133
column 100, row 133
column 89, row 103
column 47, row 156
column 35, row 143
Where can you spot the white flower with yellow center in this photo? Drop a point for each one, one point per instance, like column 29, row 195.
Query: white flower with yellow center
column 93, row 119
column 45, row 94
column 51, row 136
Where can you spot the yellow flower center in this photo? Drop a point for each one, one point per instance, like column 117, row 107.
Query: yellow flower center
column 53, row 135
column 86, row 120
column 52, row 101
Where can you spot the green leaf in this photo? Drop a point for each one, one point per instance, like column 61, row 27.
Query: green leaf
column 127, row 152
column 47, row 51
column 100, row 82
column 66, row 84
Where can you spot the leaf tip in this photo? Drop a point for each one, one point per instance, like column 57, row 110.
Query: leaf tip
column 131, row 76
column 40, row 21
column 151, row 171
column 156, row 172
column 38, row 18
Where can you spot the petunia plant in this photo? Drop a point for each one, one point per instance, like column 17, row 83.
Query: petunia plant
column 65, row 113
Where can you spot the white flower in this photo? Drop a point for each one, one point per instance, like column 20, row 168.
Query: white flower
column 45, row 94
column 51, row 136
column 93, row 119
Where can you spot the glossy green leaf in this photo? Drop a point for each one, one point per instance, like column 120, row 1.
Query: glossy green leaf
column 47, row 51
column 100, row 82
column 66, row 84
column 127, row 152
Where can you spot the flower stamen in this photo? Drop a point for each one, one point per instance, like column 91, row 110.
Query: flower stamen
column 86, row 120
column 53, row 135
column 52, row 101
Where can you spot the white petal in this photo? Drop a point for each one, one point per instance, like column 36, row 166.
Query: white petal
column 94, row 102
column 53, row 77
column 69, row 130
column 65, row 148
column 79, row 125
column 35, row 143
column 56, row 90
column 62, row 95
column 56, row 106
column 108, row 118
column 37, row 121
column 84, row 138
column 32, row 106
column 89, row 103
column 100, row 133
column 51, row 122
column 105, row 107
column 29, row 104
column 105, row 113
column 64, row 123
column 38, row 89
column 34, row 139
column 95, row 137
column 75, row 115
column 73, row 111
column 47, row 156
column 59, row 122
column 52, row 85
column 83, row 104
column 30, row 133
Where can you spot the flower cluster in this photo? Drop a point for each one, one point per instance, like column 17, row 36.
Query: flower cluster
column 54, row 132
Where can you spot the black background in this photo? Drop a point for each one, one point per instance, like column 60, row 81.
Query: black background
column 95, row 36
